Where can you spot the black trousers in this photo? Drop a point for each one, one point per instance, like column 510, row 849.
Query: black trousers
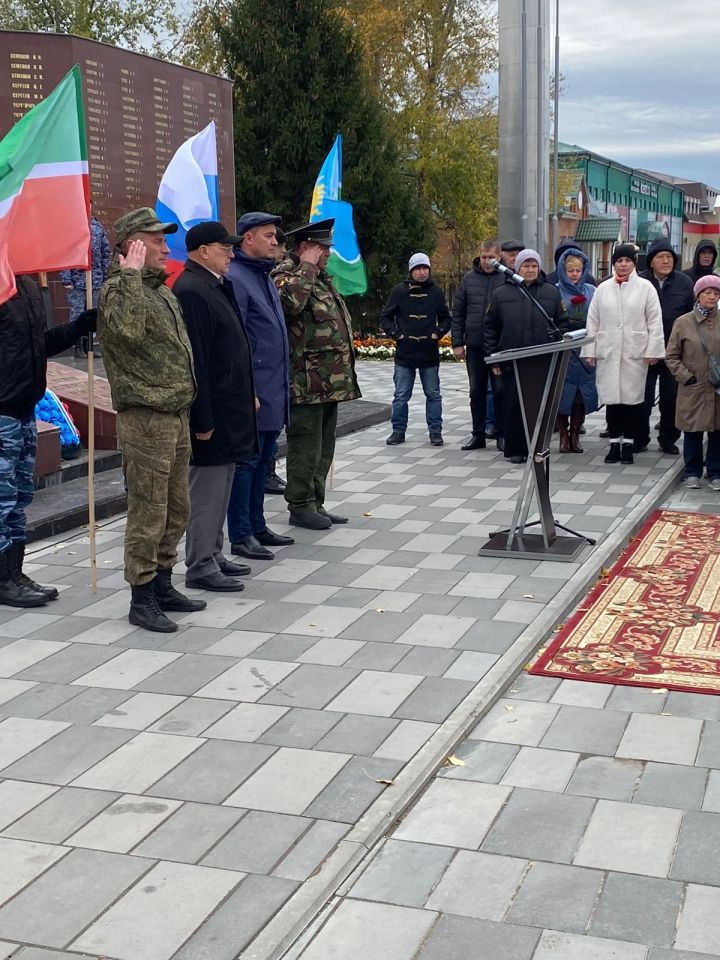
column 669, row 433
column 478, row 375
column 625, row 420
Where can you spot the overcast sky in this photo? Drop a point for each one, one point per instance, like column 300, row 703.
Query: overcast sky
column 642, row 83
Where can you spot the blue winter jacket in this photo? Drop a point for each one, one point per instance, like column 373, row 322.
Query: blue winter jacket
column 259, row 302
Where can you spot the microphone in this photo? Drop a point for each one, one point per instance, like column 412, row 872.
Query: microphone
column 510, row 274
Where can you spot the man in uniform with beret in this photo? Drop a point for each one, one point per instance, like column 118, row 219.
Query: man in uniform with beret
column 322, row 370
column 149, row 363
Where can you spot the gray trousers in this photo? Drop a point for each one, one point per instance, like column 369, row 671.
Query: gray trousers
column 210, row 489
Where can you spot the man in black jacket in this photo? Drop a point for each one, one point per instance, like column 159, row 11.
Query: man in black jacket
column 223, row 427
column 675, row 292
column 703, row 261
column 25, row 345
column 417, row 317
column 468, row 314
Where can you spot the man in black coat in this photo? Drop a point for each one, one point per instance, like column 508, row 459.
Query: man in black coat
column 416, row 316
column 25, row 345
column 703, row 261
column 675, row 292
column 223, row 427
column 468, row 315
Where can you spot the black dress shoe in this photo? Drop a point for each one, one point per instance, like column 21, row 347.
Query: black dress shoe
column 216, row 582
column 395, row 438
column 252, row 549
column 274, row 483
column 436, row 440
column 269, row 539
column 332, row 517
column 604, row 434
column 310, row 520
column 474, row 443
column 640, row 446
column 669, row 448
column 517, row 459
column 230, row 569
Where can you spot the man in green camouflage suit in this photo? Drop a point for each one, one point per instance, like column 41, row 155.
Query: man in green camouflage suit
column 322, row 370
column 149, row 363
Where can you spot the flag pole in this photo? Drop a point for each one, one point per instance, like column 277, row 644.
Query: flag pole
column 91, row 438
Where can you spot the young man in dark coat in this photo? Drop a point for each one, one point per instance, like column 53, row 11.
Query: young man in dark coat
column 259, row 303
column 25, row 345
column 416, row 316
column 223, row 429
column 515, row 320
column 468, row 315
column 675, row 292
column 703, row 262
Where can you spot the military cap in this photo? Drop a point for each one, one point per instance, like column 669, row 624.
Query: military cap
column 318, row 232
column 211, row 231
column 142, row 220
column 256, row 219
column 509, row 245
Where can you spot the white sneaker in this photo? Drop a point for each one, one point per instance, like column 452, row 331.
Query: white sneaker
column 693, row 483
column 715, row 484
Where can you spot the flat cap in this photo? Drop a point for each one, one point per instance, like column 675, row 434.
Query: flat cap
column 320, row 231
column 211, row 231
column 142, row 220
column 509, row 245
column 256, row 219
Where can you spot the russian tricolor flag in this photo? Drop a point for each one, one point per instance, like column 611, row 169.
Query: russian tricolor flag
column 189, row 192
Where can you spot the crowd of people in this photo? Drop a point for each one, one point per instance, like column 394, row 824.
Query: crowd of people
column 252, row 340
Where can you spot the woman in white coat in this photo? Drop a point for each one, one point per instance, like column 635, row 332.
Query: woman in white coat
column 626, row 320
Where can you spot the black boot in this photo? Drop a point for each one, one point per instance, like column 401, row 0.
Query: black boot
column 145, row 612
column 168, row 598
column 14, row 594
column 273, row 483
column 626, row 454
column 16, row 560
column 613, row 455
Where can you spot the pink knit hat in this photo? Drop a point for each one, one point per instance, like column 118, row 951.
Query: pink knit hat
column 710, row 282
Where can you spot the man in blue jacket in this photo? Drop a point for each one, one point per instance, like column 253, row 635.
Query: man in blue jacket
column 259, row 302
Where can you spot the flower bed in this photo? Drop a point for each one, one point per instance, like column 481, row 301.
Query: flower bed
column 381, row 348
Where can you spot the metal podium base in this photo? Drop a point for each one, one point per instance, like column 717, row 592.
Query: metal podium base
column 531, row 546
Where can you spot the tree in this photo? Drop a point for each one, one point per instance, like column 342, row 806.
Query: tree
column 298, row 81
column 124, row 23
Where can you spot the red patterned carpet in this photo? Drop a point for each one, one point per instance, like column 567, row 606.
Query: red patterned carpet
column 653, row 620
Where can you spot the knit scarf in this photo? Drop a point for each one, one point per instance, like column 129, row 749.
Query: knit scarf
column 704, row 311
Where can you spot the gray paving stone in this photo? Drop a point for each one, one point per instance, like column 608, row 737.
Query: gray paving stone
column 697, row 857
column 660, row 953
column 71, row 753
column 234, row 924
column 186, row 675
column 556, row 896
column 527, row 687
column 360, row 735
column 382, row 627
column 636, row 700
column 189, row 832
column 540, row 769
column 61, row 903
column 516, row 721
column 89, row 705
column 194, row 639
column 35, row 703
column 360, row 930
column 631, row 838
column 586, row 730
column 434, row 699
column 212, row 772
column 697, row 705
column 310, row 850
column 468, row 810
column 606, row 778
column 285, row 647
column 579, row 693
column 478, row 885
column 310, row 686
column 301, row 728
column 484, row 761
column 257, row 843
column 378, row 656
column 192, row 717
column 672, row 785
column 453, row 938
column 666, row 739
column 406, row 739
column 699, row 926
column 539, row 826
column 39, row 953
column 554, row 945
column 350, row 793
column 69, row 664
column 61, row 815
column 709, row 751
column 427, row 661
column 402, row 873
column 289, row 781
column 641, row 909
column 496, row 637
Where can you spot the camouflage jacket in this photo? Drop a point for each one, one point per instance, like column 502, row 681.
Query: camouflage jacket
column 322, row 360
column 146, row 349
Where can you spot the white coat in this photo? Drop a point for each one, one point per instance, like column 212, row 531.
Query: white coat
column 626, row 321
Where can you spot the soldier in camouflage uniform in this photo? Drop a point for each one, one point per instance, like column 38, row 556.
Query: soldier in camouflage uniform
column 149, row 363
column 322, row 370
column 74, row 280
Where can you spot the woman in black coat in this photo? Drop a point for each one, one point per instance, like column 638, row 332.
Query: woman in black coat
column 512, row 321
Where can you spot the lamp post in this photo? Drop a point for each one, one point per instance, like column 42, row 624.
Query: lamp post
column 556, row 124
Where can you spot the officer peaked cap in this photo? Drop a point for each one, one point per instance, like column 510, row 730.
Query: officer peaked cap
column 318, row 232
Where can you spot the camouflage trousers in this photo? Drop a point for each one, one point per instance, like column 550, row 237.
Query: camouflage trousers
column 156, row 456
column 18, row 446
column 310, row 451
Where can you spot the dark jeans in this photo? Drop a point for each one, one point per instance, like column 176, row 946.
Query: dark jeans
column 480, row 375
column 245, row 514
column 669, row 433
column 624, row 420
column 311, row 448
column 693, row 454
column 404, row 378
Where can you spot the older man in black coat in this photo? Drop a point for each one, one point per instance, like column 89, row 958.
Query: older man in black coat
column 223, row 427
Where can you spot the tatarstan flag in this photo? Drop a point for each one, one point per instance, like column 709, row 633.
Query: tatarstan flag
column 44, row 190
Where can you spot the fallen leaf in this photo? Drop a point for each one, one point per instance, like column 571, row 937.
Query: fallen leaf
column 369, row 515
column 453, row 761
column 388, row 783
column 660, row 690
column 509, row 706
column 380, row 610
column 528, row 596
column 667, row 714
column 515, row 690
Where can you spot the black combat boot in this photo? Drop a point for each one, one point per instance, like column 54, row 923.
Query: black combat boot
column 626, row 453
column 273, row 483
column 613, row 455
column 168, row 598
column 14, row 594
column 16, row 559
column 145, row 612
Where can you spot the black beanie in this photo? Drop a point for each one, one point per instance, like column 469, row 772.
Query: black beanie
column 624, row 250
